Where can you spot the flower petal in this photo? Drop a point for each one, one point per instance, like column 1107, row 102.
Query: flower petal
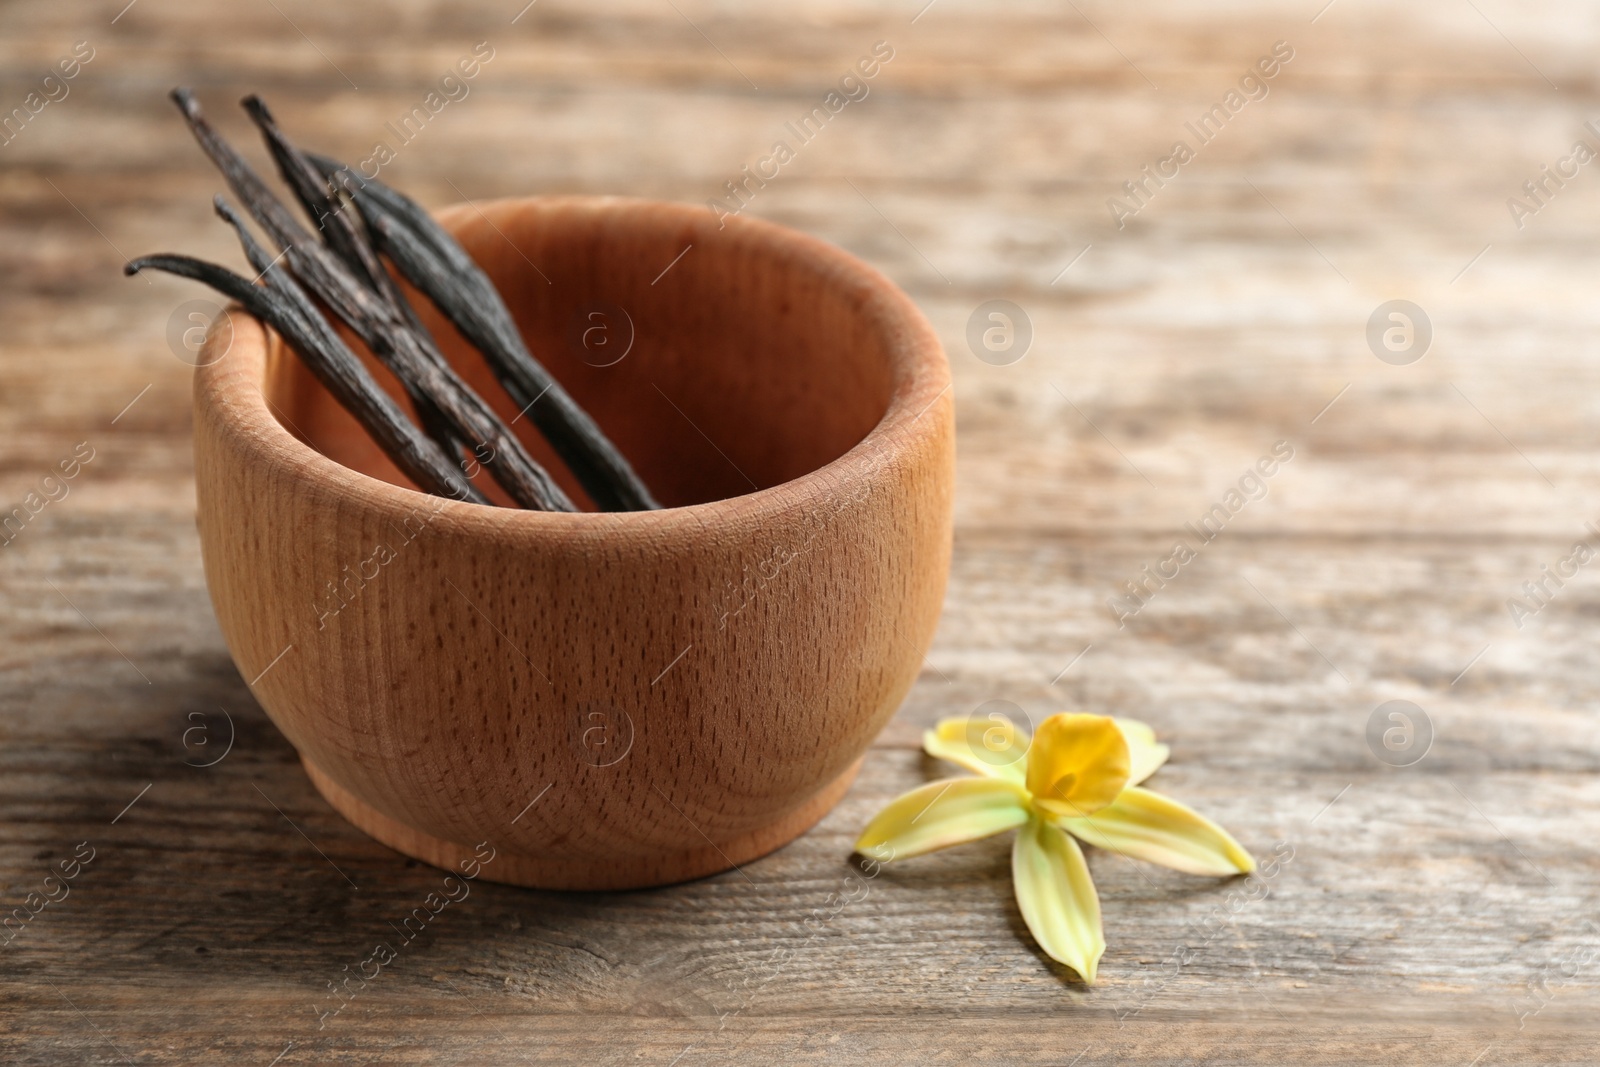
column 1145, row 753
column 941, row 814
column 1057, row 897
column 1149, row 826
column 993, row 747
column 1077, row 764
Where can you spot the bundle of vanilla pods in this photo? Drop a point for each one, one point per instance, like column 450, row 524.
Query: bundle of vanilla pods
column 338, row 269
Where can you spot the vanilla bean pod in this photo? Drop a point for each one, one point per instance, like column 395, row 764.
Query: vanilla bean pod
column 322, row 200
column 429, row 380
column 339, row 370
column 349, row 301
column 397, row 332
column 430, row 259
column 316, row 267
column 323, row 334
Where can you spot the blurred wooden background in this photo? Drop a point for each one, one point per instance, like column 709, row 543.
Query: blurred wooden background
column 1442, row 912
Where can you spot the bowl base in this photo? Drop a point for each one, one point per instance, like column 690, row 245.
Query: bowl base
column 547, row 872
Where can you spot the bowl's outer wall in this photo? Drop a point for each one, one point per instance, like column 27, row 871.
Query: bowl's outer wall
column 472, row 653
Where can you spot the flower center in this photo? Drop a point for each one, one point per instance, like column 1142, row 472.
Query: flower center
column 1061, row 789
column 1077, row 764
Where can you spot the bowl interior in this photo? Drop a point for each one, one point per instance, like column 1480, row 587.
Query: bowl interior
column 746, row 361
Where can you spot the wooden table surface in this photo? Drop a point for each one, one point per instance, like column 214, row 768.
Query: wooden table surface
column 1442, row 912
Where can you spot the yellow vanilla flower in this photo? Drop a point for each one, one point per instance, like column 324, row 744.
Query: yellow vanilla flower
column 1077, row 778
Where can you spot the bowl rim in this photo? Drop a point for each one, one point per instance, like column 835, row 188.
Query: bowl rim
column 232, row 386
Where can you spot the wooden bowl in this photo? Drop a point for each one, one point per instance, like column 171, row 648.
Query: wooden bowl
column 608, row 700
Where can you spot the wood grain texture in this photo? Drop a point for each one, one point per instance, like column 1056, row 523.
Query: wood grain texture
column 1424, row 910
column 603, row 701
